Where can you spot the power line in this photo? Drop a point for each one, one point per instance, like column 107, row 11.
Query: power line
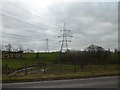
column 27, row 11
column 14, row 16
column 41, row 18
column 23, row 37
column 24, row 40
column 23, row 21
column 64, row 41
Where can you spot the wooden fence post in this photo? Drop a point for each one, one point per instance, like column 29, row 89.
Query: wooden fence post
column 6, row 68
column 75, row 68
column 25, row 69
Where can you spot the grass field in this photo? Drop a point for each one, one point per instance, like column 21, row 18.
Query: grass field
column 29, row 59
column 53, row 70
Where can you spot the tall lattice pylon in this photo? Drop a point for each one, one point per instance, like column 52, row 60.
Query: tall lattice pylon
column 64, row 41
column 47, row 46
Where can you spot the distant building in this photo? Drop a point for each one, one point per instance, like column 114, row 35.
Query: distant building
column 94, row 48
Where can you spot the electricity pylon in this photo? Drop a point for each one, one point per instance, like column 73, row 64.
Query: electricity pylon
column 64, row 41
column 47, row 46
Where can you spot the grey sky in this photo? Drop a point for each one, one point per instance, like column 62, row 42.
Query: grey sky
column 30, row 23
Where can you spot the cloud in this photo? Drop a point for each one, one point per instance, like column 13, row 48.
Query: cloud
column 89, row 22
column 92, row 20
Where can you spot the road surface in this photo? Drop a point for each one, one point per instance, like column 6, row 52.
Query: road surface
column 100, row 82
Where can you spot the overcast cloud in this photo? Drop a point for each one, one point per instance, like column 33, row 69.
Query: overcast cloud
column 30, row 23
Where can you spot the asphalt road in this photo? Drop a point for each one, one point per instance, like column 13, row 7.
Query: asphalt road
column 101, row 82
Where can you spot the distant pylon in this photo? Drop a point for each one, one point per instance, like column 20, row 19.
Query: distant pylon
column 47, row 46
column 64, row 41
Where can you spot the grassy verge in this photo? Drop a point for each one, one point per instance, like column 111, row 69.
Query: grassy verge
column 38, row 77
column 53, row 73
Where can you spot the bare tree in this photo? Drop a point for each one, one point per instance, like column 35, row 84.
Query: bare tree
column 9, row 49
column 20, row 51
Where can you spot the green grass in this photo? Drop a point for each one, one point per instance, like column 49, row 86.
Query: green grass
column 18, row 63
column 30, row 59
column 35, row 77
column 43, row 56
column 53, row 70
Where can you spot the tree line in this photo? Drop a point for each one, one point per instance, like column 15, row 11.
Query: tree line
column 89, row 57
